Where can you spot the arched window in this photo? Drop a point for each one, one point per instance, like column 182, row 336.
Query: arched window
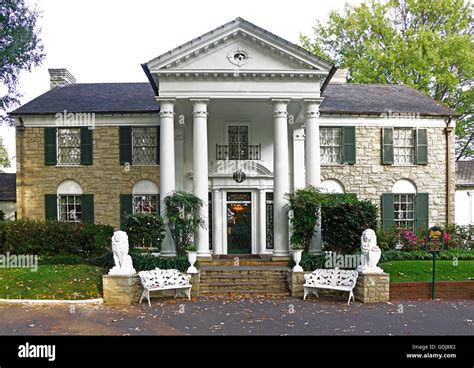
column 145, row 197
column 404, row 196
column 332, row 186
column 69, row 201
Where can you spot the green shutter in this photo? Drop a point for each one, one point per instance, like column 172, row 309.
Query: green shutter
column 86, row 146
column 50, row 207
column 87, row 208
column 126, row 207
column 348, row 145
column 158, row 145
column 387, row 146
column 125, row 141
column 421, row 155
column 387, row 210
column 50, row 156
column 422, row 206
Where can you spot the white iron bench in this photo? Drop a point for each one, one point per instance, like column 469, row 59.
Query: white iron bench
column 335, row 279
column 159, row 279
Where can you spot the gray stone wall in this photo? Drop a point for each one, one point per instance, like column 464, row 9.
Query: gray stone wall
column 368, row 178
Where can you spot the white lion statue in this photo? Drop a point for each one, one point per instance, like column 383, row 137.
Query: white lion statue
column 123, row 262
column 370, row 253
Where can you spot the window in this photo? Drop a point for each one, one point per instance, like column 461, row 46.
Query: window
column 69, row 146
column 69, row 201
column 330, row 145
column 144, row 146
column 70, row 208
column 404, row 210
column 404, row 146
column 145, row 197
column 238, row 142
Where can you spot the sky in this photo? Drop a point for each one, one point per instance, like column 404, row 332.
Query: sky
column 107, row 40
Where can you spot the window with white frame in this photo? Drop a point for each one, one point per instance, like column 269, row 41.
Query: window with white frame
column 404, row 210
column 69, row 146
column 144, row 146
column 330, row 145
column 69, row 201
column 404, row 146
column 238, row 137
column 145, row 197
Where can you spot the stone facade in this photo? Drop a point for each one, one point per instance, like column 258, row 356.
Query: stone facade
column 368, row 178
column 106, row 178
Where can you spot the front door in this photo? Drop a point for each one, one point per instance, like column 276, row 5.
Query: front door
column 239, row 223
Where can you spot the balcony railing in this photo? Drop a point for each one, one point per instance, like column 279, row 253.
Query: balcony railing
column 238, row 152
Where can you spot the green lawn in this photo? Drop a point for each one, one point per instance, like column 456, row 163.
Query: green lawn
column 410, row 271
column 72, row 282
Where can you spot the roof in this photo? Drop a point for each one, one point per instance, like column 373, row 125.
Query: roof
column 376, row 99
column 7, row 187
column 140, row 98
column 94, row 98
column 465, row 173
column 238, row 23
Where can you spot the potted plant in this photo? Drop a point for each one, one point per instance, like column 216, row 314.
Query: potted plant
column 191, row 251
column 297, row 252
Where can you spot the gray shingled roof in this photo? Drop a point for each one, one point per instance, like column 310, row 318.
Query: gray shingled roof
column 7, row 187
column 465, row 173
column 379, row 98
column 139, row 97
column 94, row 97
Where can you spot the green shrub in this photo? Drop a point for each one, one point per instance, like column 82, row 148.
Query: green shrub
column 105, row 261
column 53, row 238
column 145, row 262
column 145, row 231
column 2, row 216
column 183, row 218
column 420, row 255
column 344, row 219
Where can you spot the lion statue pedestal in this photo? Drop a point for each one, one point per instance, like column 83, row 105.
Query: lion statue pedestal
column 123, row 262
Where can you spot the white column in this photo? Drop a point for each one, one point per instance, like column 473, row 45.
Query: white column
column 299, row 174
column 200, row 172
column 281, row 178
column 167, row 169
column 313, row 161
column 217, row 222
column 262, row 221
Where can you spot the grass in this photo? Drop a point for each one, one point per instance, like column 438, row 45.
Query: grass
column 412, row 271
column 66, row 282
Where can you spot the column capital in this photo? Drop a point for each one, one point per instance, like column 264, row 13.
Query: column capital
column 166, row 107
column 312, row 107
column 280, row 107
column 199, row 107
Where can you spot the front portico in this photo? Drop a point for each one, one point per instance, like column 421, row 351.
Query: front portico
column 237, row 105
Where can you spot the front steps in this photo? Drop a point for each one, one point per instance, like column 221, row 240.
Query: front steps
column 242, row 260
column 257, row 280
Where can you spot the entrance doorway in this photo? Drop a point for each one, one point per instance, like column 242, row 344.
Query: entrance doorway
column 239, row 223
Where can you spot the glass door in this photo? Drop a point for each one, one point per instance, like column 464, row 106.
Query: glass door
column 239, row 223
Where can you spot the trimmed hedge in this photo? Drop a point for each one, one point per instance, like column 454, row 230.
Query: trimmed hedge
column 53, row 238
column 450, row 254
column 343, row 224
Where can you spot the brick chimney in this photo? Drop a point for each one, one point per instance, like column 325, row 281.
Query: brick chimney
column 340, row 77
column 60, row 77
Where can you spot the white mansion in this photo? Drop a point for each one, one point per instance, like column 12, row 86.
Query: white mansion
column 239, row 117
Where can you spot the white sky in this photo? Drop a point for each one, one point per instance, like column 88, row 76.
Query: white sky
column 107, row 40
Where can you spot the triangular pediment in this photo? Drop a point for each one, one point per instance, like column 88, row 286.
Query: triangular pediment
column 238, row 45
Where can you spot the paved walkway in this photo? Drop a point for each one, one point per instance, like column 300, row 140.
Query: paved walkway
column 243, row 316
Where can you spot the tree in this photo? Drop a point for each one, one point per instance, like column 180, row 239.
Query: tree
column 4, row 159
column 20, row 49
column 426, row 44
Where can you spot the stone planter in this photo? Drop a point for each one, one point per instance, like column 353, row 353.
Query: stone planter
column 192, row 258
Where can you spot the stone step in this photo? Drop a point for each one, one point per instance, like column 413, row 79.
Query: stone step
column 246, row 293
column 243, row 262
column 243, row 279
column 233, row 288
